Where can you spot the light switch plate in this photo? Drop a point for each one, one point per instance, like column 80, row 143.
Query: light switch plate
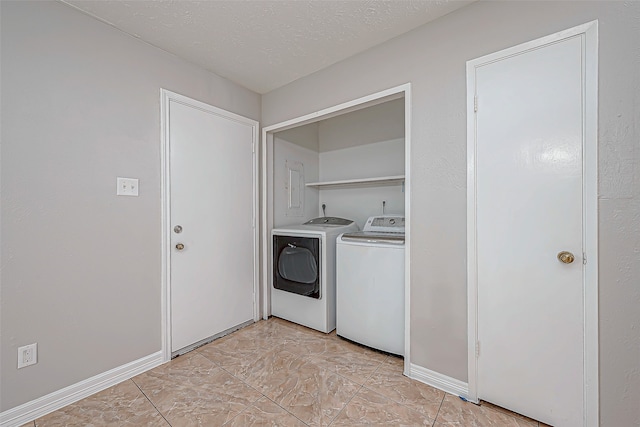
column 127, row 187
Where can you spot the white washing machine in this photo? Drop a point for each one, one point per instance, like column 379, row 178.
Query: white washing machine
column 370, row 284
column 303, row 288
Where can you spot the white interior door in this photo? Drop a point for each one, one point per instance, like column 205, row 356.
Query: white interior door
column 212, row 271
column 529, row 208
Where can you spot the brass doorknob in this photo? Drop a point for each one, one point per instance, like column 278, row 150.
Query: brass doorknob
column 566, row 257
column 179, row 246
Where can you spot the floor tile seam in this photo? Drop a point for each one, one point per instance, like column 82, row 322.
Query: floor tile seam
column 211, row 360
column 246, row 408
column 404, row 404
column 268, row 348
column 439, row 408
column 243, row 381
column 149, row 400
column 298, row 369
column 371, row 374
column 345, row 405
column 259, row 353
column 347, row 351
column 367, row 357
column 498, row 410
column 286, row 410
column 164, row 380
column 333, row 371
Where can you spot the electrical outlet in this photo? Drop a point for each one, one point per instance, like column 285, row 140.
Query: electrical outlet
column 27, row 355
column 127, row 187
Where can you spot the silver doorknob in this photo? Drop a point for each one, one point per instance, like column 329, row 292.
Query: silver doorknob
column 179, row 246
column 177, row 229
column 566, row 257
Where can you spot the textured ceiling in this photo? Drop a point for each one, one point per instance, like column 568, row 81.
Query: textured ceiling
column 265, row 44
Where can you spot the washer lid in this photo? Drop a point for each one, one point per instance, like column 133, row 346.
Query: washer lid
column 328, row 221
column 369, row 237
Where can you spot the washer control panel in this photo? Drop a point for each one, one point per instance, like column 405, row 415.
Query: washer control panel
column 385, row 224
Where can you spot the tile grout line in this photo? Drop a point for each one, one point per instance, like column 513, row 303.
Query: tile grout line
column 297, row 356
column 345, row 405
column 309, row 360
column 241, row 380
column 285, row 409
column 152, row 404
column 238, row 414
column 335, row 372
column 439, row 407
column 254, row 388
column 401, row 403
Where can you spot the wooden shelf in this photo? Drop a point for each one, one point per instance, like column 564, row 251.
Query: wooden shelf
column 382, row 180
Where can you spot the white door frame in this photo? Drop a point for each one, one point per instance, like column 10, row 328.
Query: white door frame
column 589, row 34
column 165, row 190
column 267, row 190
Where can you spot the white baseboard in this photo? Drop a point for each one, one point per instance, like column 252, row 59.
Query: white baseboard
column 58, row 399
column 439, row 381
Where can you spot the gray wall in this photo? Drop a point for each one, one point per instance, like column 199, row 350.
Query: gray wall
column 378, row 123
column 80, row 106
column 433, row 59
column 80, row 266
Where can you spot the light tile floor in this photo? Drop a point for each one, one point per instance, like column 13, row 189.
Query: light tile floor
column 276, row 373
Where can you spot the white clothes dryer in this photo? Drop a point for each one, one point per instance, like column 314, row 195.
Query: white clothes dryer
column 370, row 284
column 303, row 288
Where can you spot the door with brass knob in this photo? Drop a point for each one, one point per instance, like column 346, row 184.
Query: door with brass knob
column 566, row 257
column 525, row 207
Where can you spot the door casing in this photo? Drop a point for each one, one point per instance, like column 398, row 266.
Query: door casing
column 401, row 91
column 165, row 98
column 589, row 34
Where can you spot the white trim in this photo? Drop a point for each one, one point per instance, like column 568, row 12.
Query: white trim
column 267, row 218
column 591, row 342
column 267, row 209
column 266, row 148
column 407, row 228
column 439, row 381
column 336, row 110
column 589, row 32
column 44, row 405
column 165, row 191
column 165, row 202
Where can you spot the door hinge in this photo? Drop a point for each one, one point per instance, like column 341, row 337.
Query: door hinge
column 253, row 147
column 584, row 258
column 477, row 348
column 475, row 104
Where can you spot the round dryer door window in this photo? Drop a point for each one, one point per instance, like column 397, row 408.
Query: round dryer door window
column 298, row 265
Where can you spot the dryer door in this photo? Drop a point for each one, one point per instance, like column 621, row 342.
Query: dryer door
column 296, row 265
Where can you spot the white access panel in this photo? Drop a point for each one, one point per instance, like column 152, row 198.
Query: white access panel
column 370, row 294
